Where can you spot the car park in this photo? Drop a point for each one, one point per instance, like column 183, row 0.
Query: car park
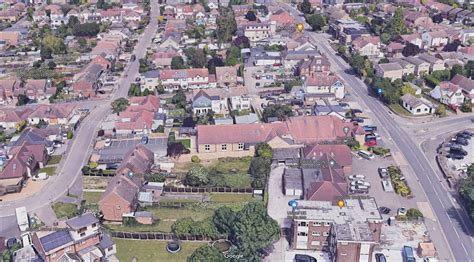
column 379, row 257
column 385, row 210
column 360, row 183
column 356, row 177
column 383, row 172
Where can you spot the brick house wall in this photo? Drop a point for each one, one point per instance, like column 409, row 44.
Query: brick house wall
column 113, row 207
column 92, row 241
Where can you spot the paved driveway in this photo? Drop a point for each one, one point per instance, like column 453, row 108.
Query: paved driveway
column 277, row 202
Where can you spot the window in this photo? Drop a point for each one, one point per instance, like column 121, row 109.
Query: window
column 94, row 225
column 117, row 207
column 317, row 224
column 326, row 224
column 303, row 234
column 82, row 234
column 67, row 249
column 325, row 234
column 53, row 255
column 207, row 147
column 325, row 243
column 110, row 248
column 302, row 224
column 316, row 234
column 224, row 147
column 241, row 146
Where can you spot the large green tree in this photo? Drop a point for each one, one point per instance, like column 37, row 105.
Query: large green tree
column 226, row 25
column 196, row 57
column 119, row 105
column 177, row 62
column 316, row 21
column 197, row 176
column 263, row 150
column 396, row 25
column 207, row 253
column 224, row 218
column 279, row 111
column 305, row 7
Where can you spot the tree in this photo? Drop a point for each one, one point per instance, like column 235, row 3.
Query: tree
column 410, row 50
column 196, row 57
column 22, row 100
column 384, row 61
column 82, row 42
column 206, row 253
column 407, row 89
column 251, row 16
column 73, row 20
column 46, row 53
column 259, row 170
column 437, row 19
column 223, row 219
column 177, row 62
column 305, row 7
column 242, row 42
column 197, row 176
column 175, row 149
column 413, row 213
column 119, row 105
column 290, row 84
column 281, row 112
column 466, row 106
column 56, row 44
column 213, row 63
column 341, row 49
column 51, row 65
column 143, row 65
column 457, row 70
column 70, row 134
column 19, row 126
column 263, row 150
column 441, row 110
column 397, row 26
column 233, row 56
column 469, row 68
column 316, row 21
column 179, row 99
column 86, row 29
column 182, row 226
column 253, row 230
column 226, row 25
column 134, row 90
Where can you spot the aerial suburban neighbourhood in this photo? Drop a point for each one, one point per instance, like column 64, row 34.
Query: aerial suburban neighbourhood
column 236, row 130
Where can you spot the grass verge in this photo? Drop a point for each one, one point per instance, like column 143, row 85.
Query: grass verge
column 65, row 210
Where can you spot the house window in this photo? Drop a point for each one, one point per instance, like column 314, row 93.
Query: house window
column 117, row 207
column 67, row 249
column 207, row 147
column 316, row 234
column 241, row 146
column 326, row 224
column 224, row 147
column 302, row 224
column 110, row 248
column 82, row 234
column 53, row 255
column 316, row 224
column 325, row 234
column 302, row 234
column 325, row 243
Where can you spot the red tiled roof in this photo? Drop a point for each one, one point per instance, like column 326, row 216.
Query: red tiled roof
column 362, row 41
column 340, row 153
column 53, row 111
column 149, row 103
column 183, row 73
column 138, row 120
column 322, row 79
column 138, row 161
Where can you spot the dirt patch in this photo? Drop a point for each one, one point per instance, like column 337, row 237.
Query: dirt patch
column 95, row 182
column 30, row 189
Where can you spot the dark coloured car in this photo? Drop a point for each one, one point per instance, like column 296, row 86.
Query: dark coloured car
column 379, row 257
column 357, row 119
column 456, row 150
column 462, row 141
column 304, row 258
column 144, row 140
column 456, row 156
column 464, row 135
column 356, row 111
column 132, row 58
column 385, row 210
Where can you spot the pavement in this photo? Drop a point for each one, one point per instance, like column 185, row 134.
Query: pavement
column 452, row 227
column 77, row 155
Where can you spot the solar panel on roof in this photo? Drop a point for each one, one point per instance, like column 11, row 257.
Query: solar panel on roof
column 55, row 240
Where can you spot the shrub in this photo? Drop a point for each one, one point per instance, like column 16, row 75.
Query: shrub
column 414, row 213
column 70, row 135
column 195, row 159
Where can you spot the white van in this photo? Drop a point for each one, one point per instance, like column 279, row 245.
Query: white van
column 366, row 154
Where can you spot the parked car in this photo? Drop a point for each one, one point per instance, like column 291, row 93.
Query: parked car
column 356, row 177
column 360, row 183
column 108, row 142
column 402, row 211
column 383, row 172
column 304, row 258
column 385, row 210
column 408, row 254
column 379, row 257
column 458, row 151
column 464, row 134
column 132, row 58
column 356, row 111
column 357, row 119
column 40, row 176
column 57, row 143
column 144, row 140
column 462, row 141
column 456, row 156
column 358, row 189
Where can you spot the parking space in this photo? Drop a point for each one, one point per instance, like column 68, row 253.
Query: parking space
column 369, row 168
column 462, row 164
column 119, row 148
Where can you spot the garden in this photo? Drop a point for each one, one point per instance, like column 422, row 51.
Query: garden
column 398, row 181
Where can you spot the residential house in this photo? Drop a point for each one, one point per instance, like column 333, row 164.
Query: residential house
column 138, row 161
column 293, row 132
column 324, row 85
column 415, row 19
column 258, row 31
column 40, row 136
column 330, row 110
column 9, row 15
column 466, row 84
column 139, row 117
column 185, row 78
column 37, row 89
column 282, row 18
column 325, row 183
column 319, row 228
column 435, row 39
column 367, row 46
column 407, row 68
column 204, row 103
column 7, row 89
column 9, row 39
column 151, row 80
column 395, row 49
column 56, row 114
column 415, row 105
column 435, row 63
column 311, row 68
column 421, row 66
column 53, row 246
column 389, row 70
column 88, row 81
column 120, row 197
column 163, row 56
column 226, row 76
column 414, row 38
column 347, row 31
column 9, row 118
column 341, row 154
column 448, row 94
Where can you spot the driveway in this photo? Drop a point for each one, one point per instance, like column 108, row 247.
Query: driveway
column 278, row 207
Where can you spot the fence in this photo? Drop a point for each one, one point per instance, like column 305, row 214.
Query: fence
column 170, row 189
column 163, row 236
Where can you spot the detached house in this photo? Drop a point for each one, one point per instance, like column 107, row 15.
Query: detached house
column 322, row 85
column 204, row 103
column 434, row 39
column 151, row 80
column 139, row 117
column 466, row 84
column 435, row 63
column 367, row 46
column 421, row 66
column 138, row 161
column 416, row 106
column 448, row 94
column 185, row 78
column 389, row 70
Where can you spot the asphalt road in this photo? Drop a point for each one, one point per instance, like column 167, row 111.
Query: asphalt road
column 80, row 148
column 455, row 224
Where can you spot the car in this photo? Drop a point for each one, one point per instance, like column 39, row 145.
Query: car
column 362, row 187
column 464, row 134
column 357, row 119
column 383, row 172
column 137, row 79
column 132, row 58
column 40, row 176
column 456, row 156
column 360, row 183
column 108, row 142
column 462, row 141
column 379, row 257
column 385, row 210
column 356, row 111
column 144, row 140
column 458, row 151
column 356, row 189
column 356, row 177
column 402, row 211
column 304, row 258
column 57, row 143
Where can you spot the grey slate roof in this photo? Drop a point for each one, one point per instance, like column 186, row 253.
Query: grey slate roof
column 82, row 221
column 106, row 242
column 55, row 240
column 152, row 74
column 293, row 178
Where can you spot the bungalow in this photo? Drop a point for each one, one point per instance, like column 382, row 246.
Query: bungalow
column 435, row 63
column 185, row 78
column 59, row 114
column 416, row 106
column 367, row 46
column 448, row 94
column 389, row 70
column 421, row 66
column 37, row 89
column 324, row 85
column 9, row 118
column 120, row 197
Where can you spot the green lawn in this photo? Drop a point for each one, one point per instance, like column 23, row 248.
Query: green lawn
column 55, row 160
column 153, row 251
column 232, row 165
column 228, row 198
column 186, row 142
column 397, row 108
column 50, row 170
column 176, row 213
column 92, row 197
column 65, row 210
